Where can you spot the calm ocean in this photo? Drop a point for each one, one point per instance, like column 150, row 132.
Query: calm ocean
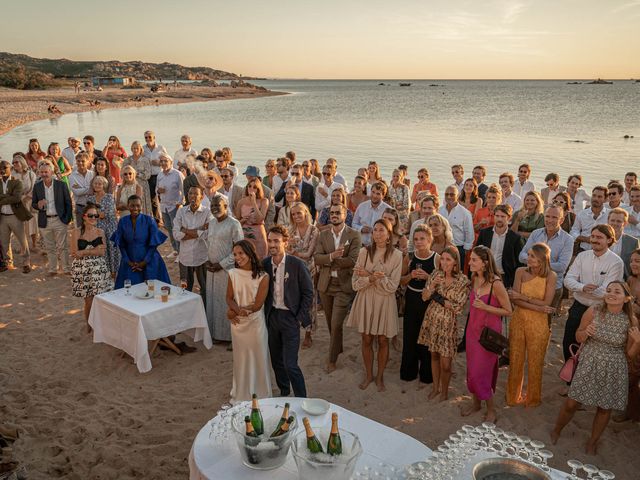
column 550, row 124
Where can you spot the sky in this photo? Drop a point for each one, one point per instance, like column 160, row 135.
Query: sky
column 350, row 39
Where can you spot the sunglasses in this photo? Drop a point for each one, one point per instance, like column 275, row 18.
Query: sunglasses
column 221, row 176
column 92, row 215
column 612, row 194
column 127, row 174
column 87, row 143
column 335, row 213
column 147, row 138
column 326, row 174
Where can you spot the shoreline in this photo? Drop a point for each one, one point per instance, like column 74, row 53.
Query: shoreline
column 20, row 107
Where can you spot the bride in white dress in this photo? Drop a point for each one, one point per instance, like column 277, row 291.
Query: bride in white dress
column 246, row 292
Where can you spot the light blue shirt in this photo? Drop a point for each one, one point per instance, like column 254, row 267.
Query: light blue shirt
column 561, row 245
column 366, row 215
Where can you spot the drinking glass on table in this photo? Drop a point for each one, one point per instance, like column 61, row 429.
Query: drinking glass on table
column 183, row 286
column 574, row 465
column 127, row 286
column 590, row 470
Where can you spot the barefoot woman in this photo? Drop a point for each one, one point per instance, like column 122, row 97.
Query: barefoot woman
column 489, row 302
column 376, row 276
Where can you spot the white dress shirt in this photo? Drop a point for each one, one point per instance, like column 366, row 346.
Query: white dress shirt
column 6, row 209
column 50, row 197
column 80, row 186
column 193, row 252
column 340, row 179
column 633, row 230
column 521, row 189
column 589, row 269
column 322, row 202
column 580, row 201
column 277, row 184
column 181, row 156
column 461, row 223
column 497, row 246
column 173, row 189
column 336, row 244
column 70, row 154
column 279, row 274
column 366, row 215
column 514, row 200
column 154, row 155
column 585, row 222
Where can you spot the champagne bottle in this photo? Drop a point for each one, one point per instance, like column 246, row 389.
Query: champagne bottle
column 313, row 444
column 283, row 419
column 334, row 444
column 284, row 428
column 256, row 416
column 252, row 441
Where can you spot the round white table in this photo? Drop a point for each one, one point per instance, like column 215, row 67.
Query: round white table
column 379, row 443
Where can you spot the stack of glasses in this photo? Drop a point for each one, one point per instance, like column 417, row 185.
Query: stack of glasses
column 221, row 423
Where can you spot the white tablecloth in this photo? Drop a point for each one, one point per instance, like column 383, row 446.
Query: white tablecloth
column 379, row 444
column 128, row 323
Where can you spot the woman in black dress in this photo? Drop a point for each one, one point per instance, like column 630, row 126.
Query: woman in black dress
column 417, row 267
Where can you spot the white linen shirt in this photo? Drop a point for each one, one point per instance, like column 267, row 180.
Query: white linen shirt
column 70, row 154
column 580, row 201
column 154, row 155
column 497, row 246
column 366, row 215
column 50, row 197
column 181, row 156
column 6, row 209
column 173, row 195
column 461, row 223
column 193, row 252
column 633, row 230
column 83, row 182
column 279, row 278
column 514, row 200
column 521, row 189
column 585, row 222
column 323, row 202
column 336, row 244
column 589, row 269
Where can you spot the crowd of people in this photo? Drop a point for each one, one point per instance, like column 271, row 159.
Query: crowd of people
column 381, row 256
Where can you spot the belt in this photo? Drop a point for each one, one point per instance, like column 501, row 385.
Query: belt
column 8, row 214
column 52, row 216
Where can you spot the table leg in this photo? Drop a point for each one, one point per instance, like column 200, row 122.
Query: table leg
column 169, row 344
column 154, row 345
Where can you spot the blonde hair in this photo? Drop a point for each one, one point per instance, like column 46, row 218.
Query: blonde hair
column 305, row 211
column 543, row 253
column 448, row 234
column 129, row 168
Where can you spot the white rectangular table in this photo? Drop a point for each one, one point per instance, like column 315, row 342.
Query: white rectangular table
column 128, row 323
column 379, row 444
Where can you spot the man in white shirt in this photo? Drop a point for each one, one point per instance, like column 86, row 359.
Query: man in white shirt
column 523, row 184
column 80, row 185
column 223, row 160
column 325, row 188
column 333, row 163
column 624, row 245
column 506, row 182
column 307, row 177
column 230, row 190
column 180, row 157
column 190, row 228
column 589, row 217
column 170, row 192
column 614, row 195
column 588, row 278
column 428, row 206
column 369, row 211
column 152, row 151
column 457, row 172
column 579, row 198
column 72, row 150
column 630, row 180
column 460, row 220
column 633, row 228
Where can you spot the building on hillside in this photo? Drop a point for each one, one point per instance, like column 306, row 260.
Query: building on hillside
column 106, row 81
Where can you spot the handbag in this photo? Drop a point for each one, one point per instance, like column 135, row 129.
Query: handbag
column 491, row 340
column 568, row 370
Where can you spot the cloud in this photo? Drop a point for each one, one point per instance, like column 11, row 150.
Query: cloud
column 512, row 10
column 626, row 6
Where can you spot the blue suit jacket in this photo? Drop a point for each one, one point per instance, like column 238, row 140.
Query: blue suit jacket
column 298, row 289
column 62, row 198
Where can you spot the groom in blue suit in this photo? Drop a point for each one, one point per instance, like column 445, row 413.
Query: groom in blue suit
column 287, row 307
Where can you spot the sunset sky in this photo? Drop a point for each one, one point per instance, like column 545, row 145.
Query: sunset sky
column 340, row 39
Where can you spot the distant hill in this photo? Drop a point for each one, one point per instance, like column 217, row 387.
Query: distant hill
column 46, row 70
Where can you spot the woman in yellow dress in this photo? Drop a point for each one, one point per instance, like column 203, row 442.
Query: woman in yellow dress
column 532, row 293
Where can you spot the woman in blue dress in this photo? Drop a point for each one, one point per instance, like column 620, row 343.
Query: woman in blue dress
column 108, row 221
column 138, row 239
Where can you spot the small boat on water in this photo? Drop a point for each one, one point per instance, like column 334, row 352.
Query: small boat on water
column 599, row 82
column 405, row 84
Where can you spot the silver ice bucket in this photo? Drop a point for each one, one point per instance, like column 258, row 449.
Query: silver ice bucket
column 507, row 469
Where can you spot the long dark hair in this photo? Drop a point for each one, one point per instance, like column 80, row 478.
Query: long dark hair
column 490, row 269
column 87, row 207
column 250, row 251
column 627, row 308
column 371, row 249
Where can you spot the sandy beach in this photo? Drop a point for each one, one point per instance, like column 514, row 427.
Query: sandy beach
column 86, row 413
column 20, row 107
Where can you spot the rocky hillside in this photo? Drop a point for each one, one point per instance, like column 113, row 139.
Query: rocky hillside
column 63, row 68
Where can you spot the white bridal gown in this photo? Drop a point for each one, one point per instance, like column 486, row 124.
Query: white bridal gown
column 251, row 365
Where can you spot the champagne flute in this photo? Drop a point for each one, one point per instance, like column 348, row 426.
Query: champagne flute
column 606, row 475
column 183, row 286
column 546, row 455
column 127, row 286
column 574, row 465
column 590, row 470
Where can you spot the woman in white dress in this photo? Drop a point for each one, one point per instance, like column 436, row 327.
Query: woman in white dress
column 246, row 292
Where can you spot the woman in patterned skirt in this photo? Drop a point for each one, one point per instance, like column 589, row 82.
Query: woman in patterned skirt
column 108, row 221
column 90, row 275
column 608, row 332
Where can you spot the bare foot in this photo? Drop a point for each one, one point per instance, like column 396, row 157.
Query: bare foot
column 490, row 417
column 421, row 386
column 444, row 396
column 554, row 436
column 591, row 448
column 307, row 340
column 365, row 383
column 330, row 367
column 465, row 412
column 433, row 393
column 380, row 384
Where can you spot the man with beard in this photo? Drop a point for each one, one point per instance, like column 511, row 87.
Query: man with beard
column 190, row 228
column 586, row 219
column 287, row 308
column 336, row 254
column 223, row 232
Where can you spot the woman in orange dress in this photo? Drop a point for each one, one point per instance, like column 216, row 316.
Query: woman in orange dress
column 115, row 154
column 483, row 217
column 470, row 199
